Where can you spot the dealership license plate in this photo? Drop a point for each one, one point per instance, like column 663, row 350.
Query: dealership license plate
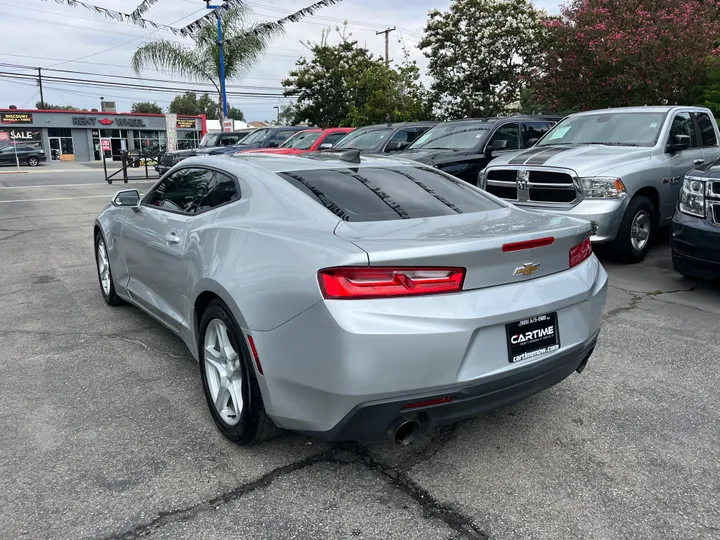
column 532, row 337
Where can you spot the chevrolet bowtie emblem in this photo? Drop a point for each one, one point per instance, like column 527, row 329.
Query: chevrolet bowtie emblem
column 527, row 270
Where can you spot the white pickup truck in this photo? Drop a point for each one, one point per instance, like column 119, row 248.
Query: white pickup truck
column 620, row 169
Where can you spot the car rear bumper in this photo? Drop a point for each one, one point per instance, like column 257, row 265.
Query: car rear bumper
column 338, row 358
column 695, row 247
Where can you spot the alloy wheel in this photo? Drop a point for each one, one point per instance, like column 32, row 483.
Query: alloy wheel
column 103, row 267
column 224, row 372
column 32, row 161
column 640, row 230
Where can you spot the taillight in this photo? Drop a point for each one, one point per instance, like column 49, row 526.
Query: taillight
column 368, row 282
column 529, row 244
column 580, row 252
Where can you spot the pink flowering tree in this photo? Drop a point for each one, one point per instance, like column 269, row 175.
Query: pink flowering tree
column 607, row 53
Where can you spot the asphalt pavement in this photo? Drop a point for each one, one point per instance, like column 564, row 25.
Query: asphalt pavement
column 105, row 434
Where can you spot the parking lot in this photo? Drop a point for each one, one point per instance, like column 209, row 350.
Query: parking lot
column 105, row 432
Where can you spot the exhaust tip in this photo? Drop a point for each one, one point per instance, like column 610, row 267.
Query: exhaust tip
column 407, row 432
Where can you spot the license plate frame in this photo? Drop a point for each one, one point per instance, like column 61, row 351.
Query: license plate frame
column 533, row 337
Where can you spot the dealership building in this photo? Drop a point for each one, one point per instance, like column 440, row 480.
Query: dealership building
column 85, row 136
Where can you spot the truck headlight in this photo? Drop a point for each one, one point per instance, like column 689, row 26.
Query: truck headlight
column 597, row 187
column 482, row 180
column 692, row 197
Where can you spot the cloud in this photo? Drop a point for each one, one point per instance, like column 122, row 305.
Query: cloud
column 48, row 35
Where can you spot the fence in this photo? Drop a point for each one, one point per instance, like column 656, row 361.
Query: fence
column 145, row 161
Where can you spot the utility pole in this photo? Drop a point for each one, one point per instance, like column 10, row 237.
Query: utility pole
column 222, row 61
column 42, row 99
column 387, row 43
column 278, row 114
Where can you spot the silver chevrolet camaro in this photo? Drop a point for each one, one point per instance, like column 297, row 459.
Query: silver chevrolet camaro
column 348, row 297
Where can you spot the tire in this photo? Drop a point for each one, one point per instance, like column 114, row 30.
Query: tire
column 245, row 424
column 640, row 215
column 32, row 161
column 106, row 289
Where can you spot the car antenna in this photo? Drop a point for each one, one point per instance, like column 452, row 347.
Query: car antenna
column 351, row 156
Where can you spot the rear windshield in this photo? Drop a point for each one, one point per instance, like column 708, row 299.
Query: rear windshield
column 388, row 193
column 302, row 141
column 452, row 137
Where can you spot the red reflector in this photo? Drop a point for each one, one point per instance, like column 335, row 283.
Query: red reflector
column 255, row 355
column 427, row 403
column 529, row 244
column 376, row 282
column 580, row 252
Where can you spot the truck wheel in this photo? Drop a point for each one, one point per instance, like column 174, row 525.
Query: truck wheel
column 636, row 231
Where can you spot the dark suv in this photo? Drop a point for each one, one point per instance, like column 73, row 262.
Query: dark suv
column 382, row 138
column 696, row 224
column 26, row 154
column 271, row 137
column 210, row 140
column 464, row 147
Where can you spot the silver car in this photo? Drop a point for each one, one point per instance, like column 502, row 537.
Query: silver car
column 348, row 298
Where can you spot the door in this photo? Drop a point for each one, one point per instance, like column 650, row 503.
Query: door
column 155, row 241
column 55, row 149
column 680, row 162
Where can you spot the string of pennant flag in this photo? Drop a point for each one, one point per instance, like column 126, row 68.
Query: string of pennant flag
column 136, row 16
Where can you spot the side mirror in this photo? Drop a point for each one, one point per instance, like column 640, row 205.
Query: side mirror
column 678, row 143
column 127, row 197
column 325, row 146
column 273, row 144
column 498, row 144
column 394, row 146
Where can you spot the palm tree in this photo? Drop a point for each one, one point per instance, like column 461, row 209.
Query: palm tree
column 243, row 47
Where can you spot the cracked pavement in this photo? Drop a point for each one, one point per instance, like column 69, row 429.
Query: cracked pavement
column 104, row 432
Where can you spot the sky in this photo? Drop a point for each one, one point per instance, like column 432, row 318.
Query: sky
column 44, row 34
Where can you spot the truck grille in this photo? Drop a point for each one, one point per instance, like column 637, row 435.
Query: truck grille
column 715, row 212
column 541, row 186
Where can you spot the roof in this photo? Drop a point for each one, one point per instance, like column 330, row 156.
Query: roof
column 647, row 108
column 259, row 124
column 401, row 124
column 63, row 111
column 275, row 163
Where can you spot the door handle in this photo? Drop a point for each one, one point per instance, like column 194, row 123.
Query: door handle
column 699, row 161
column 172, row 239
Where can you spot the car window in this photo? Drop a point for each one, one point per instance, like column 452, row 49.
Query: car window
column 257, row 136
column 333, row 138
column 609, row 128
column 509, row 133
column 364, row 139
column 682, row 125
column 229, row 140
column 460, row 136
column 181, row 191
column 405, row 135
column 534, row 130
column 707, row 130
column 389, row 193
column 282, row 136
column 208, row 140
column 302, row 140
column 221, row 190
column 8, row 149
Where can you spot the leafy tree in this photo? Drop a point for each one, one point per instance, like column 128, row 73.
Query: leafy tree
column 188, row 103
column 146, row 107
column 710, row 91
column 345, row 85
column 479, row 52
column 235, row 113
column 242, row 48
column 604, row 53
column 288, row 114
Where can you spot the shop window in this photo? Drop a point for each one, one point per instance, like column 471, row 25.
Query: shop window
column 151, row 142
column 188, row 140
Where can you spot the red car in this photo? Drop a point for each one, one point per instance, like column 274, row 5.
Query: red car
column 310, row 140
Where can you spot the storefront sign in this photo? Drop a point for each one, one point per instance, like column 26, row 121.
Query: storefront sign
column 185, row 123
column 106, row 145
column 171, row 122
column 16, row 118
column 24, row 135
column 227, row 125
column 92, row 121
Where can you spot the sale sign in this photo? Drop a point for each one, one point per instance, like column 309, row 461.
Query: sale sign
column 4, row 136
